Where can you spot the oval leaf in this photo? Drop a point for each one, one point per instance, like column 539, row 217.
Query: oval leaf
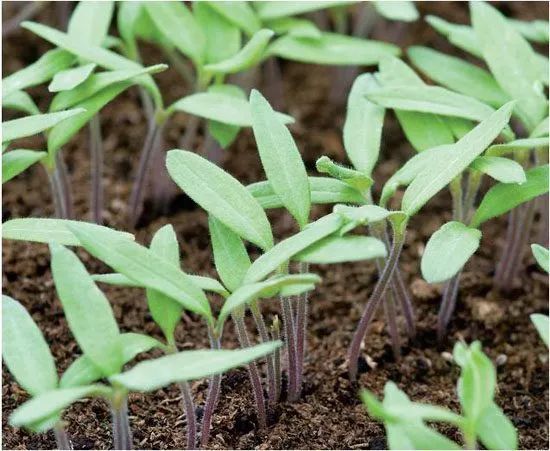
column 501, row 169
column 541, row 256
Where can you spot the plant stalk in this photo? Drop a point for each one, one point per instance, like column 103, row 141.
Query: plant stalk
column 212, row 397
column 189, row 409
column 448, row 304
column 62, row 439
column 301, row 334
column 391, row 319
column 96, row 151
column 56, row 195
column 64, row 185
column 275, row 336
column 122, row 434
column 288, row 326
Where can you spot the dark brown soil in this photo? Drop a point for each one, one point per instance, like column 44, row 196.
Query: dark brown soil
column 329, row 415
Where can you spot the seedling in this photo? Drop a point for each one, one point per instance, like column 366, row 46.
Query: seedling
column 481, row 419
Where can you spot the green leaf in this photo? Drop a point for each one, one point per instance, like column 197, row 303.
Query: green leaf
column 188, row 365
column 448, row 250
column 363, row 126
column 166, row 312
column 49, row 403
column 223, row 38
column 366, row 214
column 271, row 10
column 98, row 82
column 542, row 129
column 24, row 349
column 300, row 28
column 356, row 179
column 45, row 230
column 496, row 431
column 32, row 125
column 143, row 265
column 286, row 249
column 87, row 310
column 223, row 133
column 178, row 25
column 511, row 60
column 534, row 30
column 230, row 256
column 221, row 195
column 240, row 13
column 445, row 167
column 404, row 11
column 89, row 23
column 458, row 75
column 71, row 78
column 324, row 190
column 332, row 49
column 267, row 288
column 224, row 108
column 281, row 159
column 416, row 435
column 541, row 256
column 20, row 101
column 250, row 55
column 503, row 197
column 542, row 325
column 501, row 169
column 16, row 161
column 499, row 150
column 42, row 70
column 83, row 371
column 128, row 15
column 337, row 249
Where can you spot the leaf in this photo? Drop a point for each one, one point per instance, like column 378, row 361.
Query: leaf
column 541, row 256
column 363, row 125
column 271, row 10
column 542, row 129
column 416, row 435
column 445, row 167
column 281, row 159
column 496, row 431
column 20, row 101
column 503, row 197
column 179, row 26
column 286, row 249
column 458, row 75
column 448, row 250
column 511, row 60
column 542, row 325
column 49, row 403
column 223, row 133
column 83, row 371
column 87, row 310
column 498, row 150
column 90, row 20
column 240, row 13
column 219, row 107
column 534, row 30
column 16, row 161
column 501, row 169
column 267, row 288
column 32, row 125
column 250, row 55
column 45, row 230
column 128, row 14
column 324, row 190
column 221, row 195
column 366, row 214
column 300, row 28
column 332, row 49
column 97, row 82
column 166, row 312
column 404, row 11
column 356, row 179
column 188, row 365
column 49, row 64
column 143, row 265
column 25, row 351
column 230, row 256
column 337, row 249
column 71, row 78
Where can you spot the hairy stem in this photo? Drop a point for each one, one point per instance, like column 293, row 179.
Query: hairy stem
column 301, row 334
column 374, row 301
column 275, row 336
column 64, row 185
column 253, row 372
column 288, row 326
column 62, row 439
column 212, row 397
column 122, row 434
column 96, row 151
column 189, row 409
column 56, row 194
column 391, row 319
column 512, row 234
column 402, row 295
column 448, row 304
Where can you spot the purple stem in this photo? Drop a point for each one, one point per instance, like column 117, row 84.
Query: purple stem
column 212, row 397
column 62, row 439
column 288, row 326
column 512, row 234
column 391, row 319
column 189, row 409
column 122, row 434
column 448, row 304
column 301, row 335
column 96, row 151
column 276, row 335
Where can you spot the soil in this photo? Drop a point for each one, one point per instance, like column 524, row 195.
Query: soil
column 329, row 415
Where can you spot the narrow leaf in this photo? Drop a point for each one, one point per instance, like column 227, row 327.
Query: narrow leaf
column 223, row 133
column 404, row 11
column 71, row 78
column 501, row 169
column 496, row 431
column 300, row 28
column 349, row 248
column 356, row 179
column 90, row 21
column 499, row 150
column 541, row 256
column 20, row 101
column 272, row 10
column 240, row 13
column 542, row 325
column 16, row 161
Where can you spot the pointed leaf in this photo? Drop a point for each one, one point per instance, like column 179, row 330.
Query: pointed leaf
column 499, row 150
column 20, row 101
column 541, row 256
column 272, row 10
column 300, row 28
column 90, row 20
column 404, row 11
column 534, row 30
column 356, row 179
column 542, row 325
column 71, row 78
column 501, row 169
column 240, row 13
column 337, row 249
column 16, row 161
column 496, row 431
column 223, row 133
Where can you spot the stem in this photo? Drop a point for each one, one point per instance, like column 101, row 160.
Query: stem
column 400, row 292
column 122, row 434
column 189, row 409
column 543, row 221
column 448, row 304
column 276, row 335
column 512, row 234
column 62, row 439
column 288, row 325
column 147, row 105
column 374, row 301
column 27, row 12
column 391, row 318
column 456, row 193
column 253, row 372
column 273, row 394
column 96, row 150
column 301, row 334
column 64, row 186
column 56, row 195
column 212, row 397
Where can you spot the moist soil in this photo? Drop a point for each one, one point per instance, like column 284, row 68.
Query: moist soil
column 329, row 415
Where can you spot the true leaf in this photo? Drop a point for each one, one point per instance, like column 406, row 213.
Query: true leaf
column 503, row 197
column 501, row 169
column 71, row 78
column 220, row 195
column 20, row 101
column 541, row 256
column 87, row 310
column 240, row 13
column 300, row 28
column 495, row 430
column 89, row 22
column 356, row 179
column 16, row 161
column 281, row 159
column 349, row 248
column 448, row 250
column 225, row 134
column 272, row 10
column 534, row 30
column 499, row 150
column 397, row 10
column 542, row 325
column 25, row 351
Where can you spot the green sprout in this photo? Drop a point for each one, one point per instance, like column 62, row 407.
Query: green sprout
column 539, row 320
column 481, row 419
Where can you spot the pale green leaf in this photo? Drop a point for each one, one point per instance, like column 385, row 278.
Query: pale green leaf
column 90, row 20
column 223, row 133
column 542, row 129
column 220, row 195
column 349, row 248
column 71, row 78
column 271, row 10
column 356, row 179
column 541, row 256
column 281, row 159
column 416, row 435
column 501, row 169
column 240, row 13
column 496, row 431
column 534, row 30
column 525, row 144
column 542, row 325
column 16, row 161
column 128, row 15
column 404, row 11
column 300, row 28
column 448, row 250
column 20, row 101
column 24, row 349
